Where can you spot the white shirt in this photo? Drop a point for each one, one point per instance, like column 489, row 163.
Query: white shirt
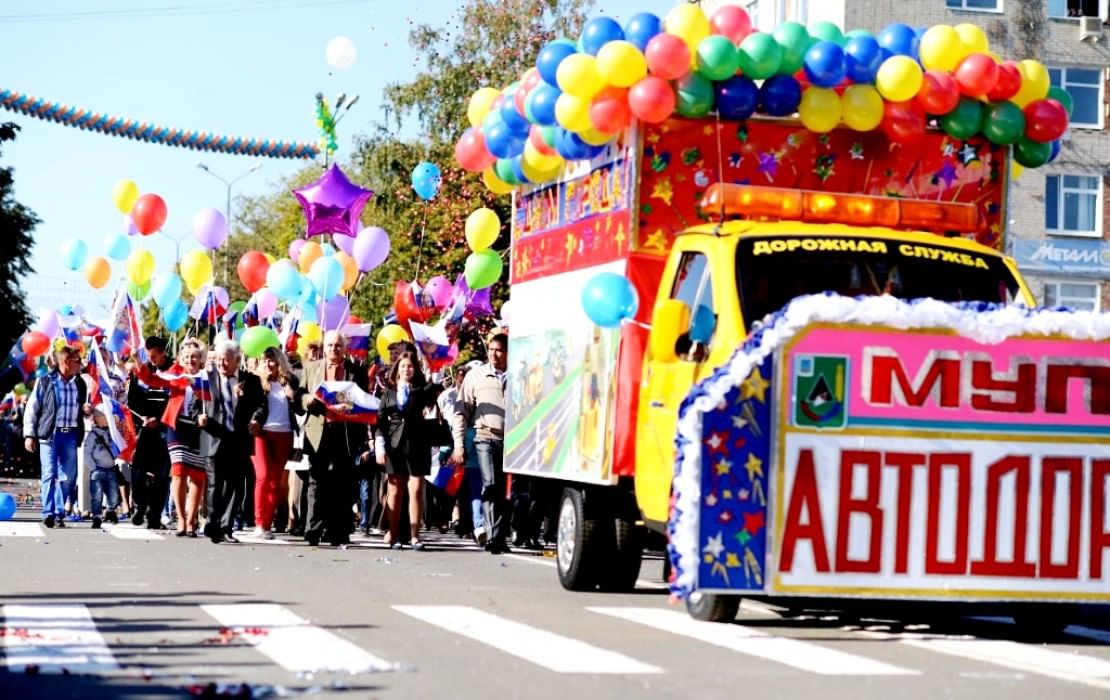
column 277, row 421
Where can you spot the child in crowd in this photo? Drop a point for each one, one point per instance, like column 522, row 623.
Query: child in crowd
column 100, row 456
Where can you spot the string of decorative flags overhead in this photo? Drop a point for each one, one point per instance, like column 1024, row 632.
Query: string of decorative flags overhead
column 89, row 120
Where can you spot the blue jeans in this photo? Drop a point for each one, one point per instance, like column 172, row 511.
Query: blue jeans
column 102, row 483
column 490, row 457
column 474, row 482
column 58, row 461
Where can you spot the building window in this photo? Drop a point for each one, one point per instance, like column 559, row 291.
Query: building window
column 1074, row 295
column 976, row 5
column 1072, row 9
column 1085, row 87
column 1073, row 205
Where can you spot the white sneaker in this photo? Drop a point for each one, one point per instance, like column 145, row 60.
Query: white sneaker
column 258, row 532
column 267, row 535
column 481, row 537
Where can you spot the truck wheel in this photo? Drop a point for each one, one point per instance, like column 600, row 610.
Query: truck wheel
column 1044, row 621
column 577, row 543
column 623, row 568
column 711, row 607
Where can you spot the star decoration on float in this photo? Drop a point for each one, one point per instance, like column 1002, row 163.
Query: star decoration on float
column 663, row 190
column 754, row 466
column 755, row 385
column 714, row 546
column 968, row 154
column 947, row 174
column 332, row 204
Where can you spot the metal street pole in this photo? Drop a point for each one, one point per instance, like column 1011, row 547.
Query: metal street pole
column 227, row 209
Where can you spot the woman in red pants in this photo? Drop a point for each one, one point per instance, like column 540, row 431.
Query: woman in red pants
column 272, row 447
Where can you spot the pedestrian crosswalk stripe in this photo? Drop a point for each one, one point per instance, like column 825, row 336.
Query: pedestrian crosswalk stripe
column 294, row 643
column 55, row 639
column 130, row 532
column 791, row 652
column 543, row 648
column 20, row 529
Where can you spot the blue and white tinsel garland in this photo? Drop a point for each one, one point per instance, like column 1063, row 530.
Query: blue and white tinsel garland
column 982, row 322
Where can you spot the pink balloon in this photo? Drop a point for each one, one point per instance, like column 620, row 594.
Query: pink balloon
column 439, row 289
column 267, row 303
column 371, row 248
column 295, row 249
column 344, row 242
column 210, row 228
column 334, row 313
column 129, row 227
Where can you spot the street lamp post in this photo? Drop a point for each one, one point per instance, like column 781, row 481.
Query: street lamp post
column 227, row 209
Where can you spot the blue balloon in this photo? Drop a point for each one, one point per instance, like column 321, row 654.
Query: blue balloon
column 503, row 142
column 518, row 170
column 426, row 178
column 284, row 280
column 326, row 275
column 599, row 31
column 780, row 95
column 117, row 246
column 326, row 249
column 1055, row 151
column 640, row 29
column 165, row 289
column 542, row 99
column 175, row 315
column 824, row 64
column 702, row 325
column 564, row 146
column 862, row 58
column 7, row 506
column 513, row 119
column 586, row 150
column 74, row 252
column 609, row 298
column 898, row 40
column 492, row 119
column 550, row 56
column 737, row 97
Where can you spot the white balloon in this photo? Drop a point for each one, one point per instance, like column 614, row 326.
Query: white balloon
column 341, row 53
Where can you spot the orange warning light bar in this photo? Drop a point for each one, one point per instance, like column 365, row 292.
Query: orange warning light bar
column 779, row 203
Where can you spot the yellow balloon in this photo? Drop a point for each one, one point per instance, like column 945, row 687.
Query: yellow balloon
column 621, row 63
column 139, row 266
column 310, row 253
column 270, row 259
column 596, row 138
column 820, row 109
column 862, row 107
column 689, row 23
column 1034, row 82
column 540, row 161
column 124, row 195
column 387, row 336
column 1016, row 169
column 495, row 184
column 310, row 331
column 480, row 103
column 482, row 228
column 941, row 48
column 899, row 78
column 350, row 269
column 196, row 270
column 578, row 75
column 572, row 112
column 97, row 272
column 973, row 37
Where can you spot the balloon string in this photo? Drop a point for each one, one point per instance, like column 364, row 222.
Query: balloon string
column 420, row 252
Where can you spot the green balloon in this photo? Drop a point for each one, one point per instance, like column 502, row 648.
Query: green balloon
column 848, row 36
column 548, row 134
column 717, row 57
column 964, row 121
column 1061, row 95
column 695, row 95
column 482, row 269
column 760, row 56
column 1032, row 154
column 1003, row 123
column 237, row 309
column 504, row 169
column 138, row 292
column 827, row 31
column 795, row 41
column 255, row 340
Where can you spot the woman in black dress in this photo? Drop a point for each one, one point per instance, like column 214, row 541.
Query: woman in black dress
column 403, row 443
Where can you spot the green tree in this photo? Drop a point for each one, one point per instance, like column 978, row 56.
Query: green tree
column 16, row 222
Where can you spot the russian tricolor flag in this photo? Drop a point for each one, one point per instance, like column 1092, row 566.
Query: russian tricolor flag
column 447, row 478
column 358, row 339
column 360, row 407
column 435, row 347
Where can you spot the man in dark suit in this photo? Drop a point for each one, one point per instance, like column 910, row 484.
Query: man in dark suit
column 332, row 445
column 233, row 415
column 150, row 466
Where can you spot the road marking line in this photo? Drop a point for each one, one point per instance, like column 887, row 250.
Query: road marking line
column 54, row 637
column 132, row 533
column 20, row 529
column 293, row 642
column 543, row 648
column 791, row 652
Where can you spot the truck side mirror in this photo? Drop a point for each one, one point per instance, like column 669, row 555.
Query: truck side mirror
column 669, row 320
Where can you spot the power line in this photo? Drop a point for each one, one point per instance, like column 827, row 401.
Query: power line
column 178, row 10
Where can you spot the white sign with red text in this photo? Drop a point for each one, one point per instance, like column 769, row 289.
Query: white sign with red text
column 950, row 518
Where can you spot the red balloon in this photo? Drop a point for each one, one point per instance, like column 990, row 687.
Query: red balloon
column 528, row 81
column 976, row 75
column 652, row 99
column 1008, row 83
column 149, row 213
column 35, row 343
column 535, row 136
column 668, row 56
column 903, row 122
column 406, row 307
column 252, row 269
column 1045, row 120
column 609, row 111
column 731, row 21
column 939, row 93
column 471, row 152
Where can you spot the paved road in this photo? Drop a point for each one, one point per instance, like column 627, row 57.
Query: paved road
column 126, row 616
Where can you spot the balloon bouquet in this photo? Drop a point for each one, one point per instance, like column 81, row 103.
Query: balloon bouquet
column 581, row 95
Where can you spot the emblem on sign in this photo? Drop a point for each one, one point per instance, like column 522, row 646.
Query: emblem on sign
column 820, row 383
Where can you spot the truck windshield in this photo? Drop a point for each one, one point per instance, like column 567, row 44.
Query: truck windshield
column 772, row 271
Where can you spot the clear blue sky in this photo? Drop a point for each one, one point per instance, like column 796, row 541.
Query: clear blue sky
column 238, row 67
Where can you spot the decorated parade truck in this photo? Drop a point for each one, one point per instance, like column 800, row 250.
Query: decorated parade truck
column 834, row 385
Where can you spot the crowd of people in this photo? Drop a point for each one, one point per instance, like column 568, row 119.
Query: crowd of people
column 223, row 443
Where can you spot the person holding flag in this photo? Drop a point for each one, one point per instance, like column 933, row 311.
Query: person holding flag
column 273, row 446
column 150, row 466
column 188, row 468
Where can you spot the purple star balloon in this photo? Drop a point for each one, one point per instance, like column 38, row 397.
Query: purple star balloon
column 332, row 204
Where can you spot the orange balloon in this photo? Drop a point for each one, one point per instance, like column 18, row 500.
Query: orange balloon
column 350, row 269
column 310, row 253
column 97, row 272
